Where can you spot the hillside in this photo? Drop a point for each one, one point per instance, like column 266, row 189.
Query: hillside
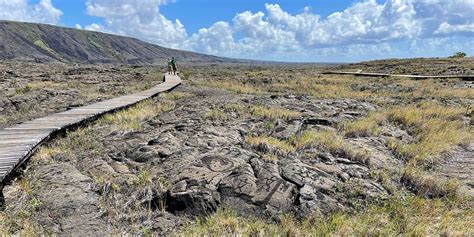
column 47, row 43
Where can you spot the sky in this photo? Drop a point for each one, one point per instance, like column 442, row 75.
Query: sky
column 278, row 30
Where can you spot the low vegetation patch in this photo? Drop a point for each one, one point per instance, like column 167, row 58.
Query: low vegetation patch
column 428, row 185
column 217, row 114
column 270, row 143
column 233, row 86
column 264, row 112
column 364, row 127
column 332, row 141
column 44, row 46
column 377, row 90
column 254, row 111
column 410, row 216
column 435, row 129
column 131, row 118
column 326, row 139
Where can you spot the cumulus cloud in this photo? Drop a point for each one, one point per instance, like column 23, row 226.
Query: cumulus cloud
column 21, row 10
column 140, row 19
column 365, row 27
column 95, row 27
column 446, row 28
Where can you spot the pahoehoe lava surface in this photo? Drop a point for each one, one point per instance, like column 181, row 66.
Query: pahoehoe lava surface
column 191, row 160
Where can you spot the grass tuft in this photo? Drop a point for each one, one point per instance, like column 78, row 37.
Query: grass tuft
column 270, row 142
column 131, row 118
column 216, row 115
column 428, row 185
column 273, row 113
column 330, row 140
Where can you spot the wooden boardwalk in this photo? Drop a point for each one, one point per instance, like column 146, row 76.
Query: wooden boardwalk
column 18, row 143
column 371, row 74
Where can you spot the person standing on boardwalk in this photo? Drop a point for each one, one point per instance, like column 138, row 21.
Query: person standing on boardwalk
column 170, row 67
column 173, row 64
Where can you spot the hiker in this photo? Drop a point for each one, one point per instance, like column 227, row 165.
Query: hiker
column 170, row 67
column 173, row 64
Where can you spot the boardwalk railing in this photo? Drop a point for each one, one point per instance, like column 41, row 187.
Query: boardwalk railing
column 18, row 143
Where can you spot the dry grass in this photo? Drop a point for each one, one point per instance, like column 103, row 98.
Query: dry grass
column 433, row 88
column 255, row 111
column 175, row 95
column 332, row 141
column 45, row 154
column 327, row 139
column 226, row 223
column 319, row 87
column 233, row 86
column 131, row 118
column 216, row 115
column 271, row 142
column 429, row 186
column 435, row 129
column 86, row 141
column 23, row 227
column 364, row 127
column 18, row 220
column 412, row 216
column 264, row 112
column 378, row 90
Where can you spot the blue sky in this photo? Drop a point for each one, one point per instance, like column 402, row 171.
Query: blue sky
column 74, row 11
column 285, row 30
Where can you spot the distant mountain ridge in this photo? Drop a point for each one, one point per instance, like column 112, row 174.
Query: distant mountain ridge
column 47, row 43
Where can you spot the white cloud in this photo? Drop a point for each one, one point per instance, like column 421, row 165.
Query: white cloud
column 20, row 10
column 367, row 27
column 216, row 39
column 446, row 28
column 78, row 26
column 95, row 27
column 139, row 19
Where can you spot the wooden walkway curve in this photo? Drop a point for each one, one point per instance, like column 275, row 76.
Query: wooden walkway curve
column 18, row 143
column 371, row 74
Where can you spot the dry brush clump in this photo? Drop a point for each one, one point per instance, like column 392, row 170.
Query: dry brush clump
column 332, row 141
column 266, row 144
